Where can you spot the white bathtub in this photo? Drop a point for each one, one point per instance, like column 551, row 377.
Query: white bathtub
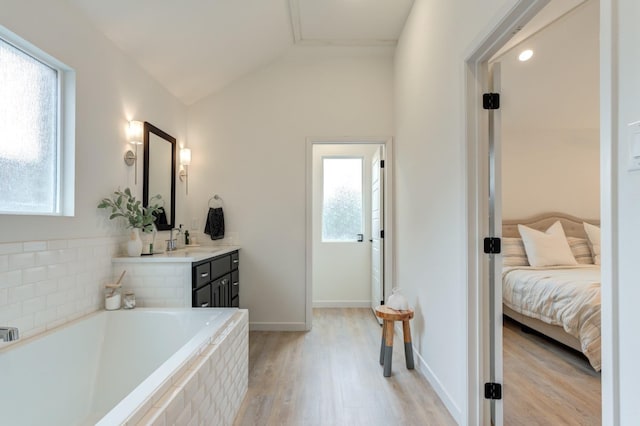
column 127, row 367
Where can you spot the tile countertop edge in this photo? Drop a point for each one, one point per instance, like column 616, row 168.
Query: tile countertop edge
column 182, row 255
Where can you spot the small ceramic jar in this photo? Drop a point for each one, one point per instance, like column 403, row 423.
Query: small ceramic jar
column 112, row 299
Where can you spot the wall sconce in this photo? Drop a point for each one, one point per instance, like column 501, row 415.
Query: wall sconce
column 134, row 134
column 185, row 160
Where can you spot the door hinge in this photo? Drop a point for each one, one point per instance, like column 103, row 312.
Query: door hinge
column 492, row 391
column 382, row 164
column 492, row 245
column 491, row 101
column 382, row 233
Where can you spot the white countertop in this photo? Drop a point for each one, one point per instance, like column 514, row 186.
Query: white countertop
column 183, row 255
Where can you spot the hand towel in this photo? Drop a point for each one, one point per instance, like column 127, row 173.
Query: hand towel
column 215, row 223
column 161, row 217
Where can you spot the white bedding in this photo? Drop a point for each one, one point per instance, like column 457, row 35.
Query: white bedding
column 568, row 296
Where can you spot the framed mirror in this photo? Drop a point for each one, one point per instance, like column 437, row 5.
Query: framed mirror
column 160, row 173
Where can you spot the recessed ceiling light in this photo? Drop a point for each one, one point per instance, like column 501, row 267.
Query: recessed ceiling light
column 525, row 55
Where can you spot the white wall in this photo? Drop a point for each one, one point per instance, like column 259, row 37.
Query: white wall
column 624, row 86
column 550, row 120
column 248, row 145
column 51, row 268
column 110, row 90
column 430, row 183
column 341, row 271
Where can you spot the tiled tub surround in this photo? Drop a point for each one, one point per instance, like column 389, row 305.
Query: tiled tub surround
column 44, row 284
column 209, row 389
column 164, row 280
column 144, row 366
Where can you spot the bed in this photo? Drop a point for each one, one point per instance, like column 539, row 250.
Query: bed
column 560, row 301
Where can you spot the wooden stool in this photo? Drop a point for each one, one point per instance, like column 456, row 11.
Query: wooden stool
column 386, row 346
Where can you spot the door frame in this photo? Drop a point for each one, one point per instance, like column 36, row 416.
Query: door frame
column 476, row 155
column 389, row 262
column 477, row 209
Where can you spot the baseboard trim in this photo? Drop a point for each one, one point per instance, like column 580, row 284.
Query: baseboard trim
column 277, row 326
column 424, row 369
column 342, row 303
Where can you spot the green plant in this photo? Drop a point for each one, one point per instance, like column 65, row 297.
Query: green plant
column 124, row 204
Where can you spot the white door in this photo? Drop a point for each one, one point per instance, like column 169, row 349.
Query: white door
column 377, row 221
column 341, row 255
column 495, row 261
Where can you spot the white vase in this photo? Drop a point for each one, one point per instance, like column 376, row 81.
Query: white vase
column 134, row 245
column 397, row 300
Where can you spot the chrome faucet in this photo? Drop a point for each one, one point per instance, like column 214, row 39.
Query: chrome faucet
column 9, row 334
column 172, row 243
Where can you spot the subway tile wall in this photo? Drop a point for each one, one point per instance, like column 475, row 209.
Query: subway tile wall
column 157, row 285
column 44, row 284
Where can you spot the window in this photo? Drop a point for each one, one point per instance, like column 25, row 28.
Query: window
column 34, row 176
column 342, row 209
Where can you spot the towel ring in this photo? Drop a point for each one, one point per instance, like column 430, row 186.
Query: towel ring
column 216, row 197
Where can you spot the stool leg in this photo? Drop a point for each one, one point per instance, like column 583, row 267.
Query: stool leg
column 408, row 346
column 382, row 345
column 388, row 348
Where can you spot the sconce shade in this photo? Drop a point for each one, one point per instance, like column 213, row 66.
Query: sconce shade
column 185, row 156
column 136, row 129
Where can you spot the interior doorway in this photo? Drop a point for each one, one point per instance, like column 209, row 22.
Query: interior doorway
column 484, row 214
column 547, row 171
column 348, row 201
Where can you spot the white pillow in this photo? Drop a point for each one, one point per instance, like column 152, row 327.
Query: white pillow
column 593, row 234
column 548, row 248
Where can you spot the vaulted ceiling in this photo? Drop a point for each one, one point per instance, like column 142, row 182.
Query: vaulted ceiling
column 196, row 47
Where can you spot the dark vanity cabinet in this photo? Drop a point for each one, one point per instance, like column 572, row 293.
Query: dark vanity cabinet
column 216, row 281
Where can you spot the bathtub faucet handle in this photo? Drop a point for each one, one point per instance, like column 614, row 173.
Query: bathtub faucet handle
column 9, row 334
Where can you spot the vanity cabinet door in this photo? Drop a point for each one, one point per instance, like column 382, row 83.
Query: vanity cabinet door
column 201, row 274
column 215, row 295
column 224, row 289
column 235, row 284
column 202, row 297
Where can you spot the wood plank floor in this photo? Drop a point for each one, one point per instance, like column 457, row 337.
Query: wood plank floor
column 332, row 376
column 546, row 383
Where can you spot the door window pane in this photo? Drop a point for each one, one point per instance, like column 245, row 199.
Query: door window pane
column 28, row 133
column 342, row 210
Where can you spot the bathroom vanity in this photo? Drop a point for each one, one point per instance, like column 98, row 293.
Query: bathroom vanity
column 188, row 277
column 216, row 281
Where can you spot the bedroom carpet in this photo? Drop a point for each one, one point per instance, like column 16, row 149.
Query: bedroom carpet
column 546, row 383
column 331, row 375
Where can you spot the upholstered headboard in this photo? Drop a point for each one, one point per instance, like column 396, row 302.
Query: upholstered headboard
column 572, row 225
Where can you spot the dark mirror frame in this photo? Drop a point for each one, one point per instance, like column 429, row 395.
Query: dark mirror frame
column 150, row 128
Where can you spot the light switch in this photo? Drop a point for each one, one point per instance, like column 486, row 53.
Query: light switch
column 634, row 146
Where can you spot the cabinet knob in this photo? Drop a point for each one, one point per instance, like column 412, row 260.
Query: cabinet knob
column 236, row 283
column 236, row 260
column 224, row 282
column 204, row 274
column 205, row 305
